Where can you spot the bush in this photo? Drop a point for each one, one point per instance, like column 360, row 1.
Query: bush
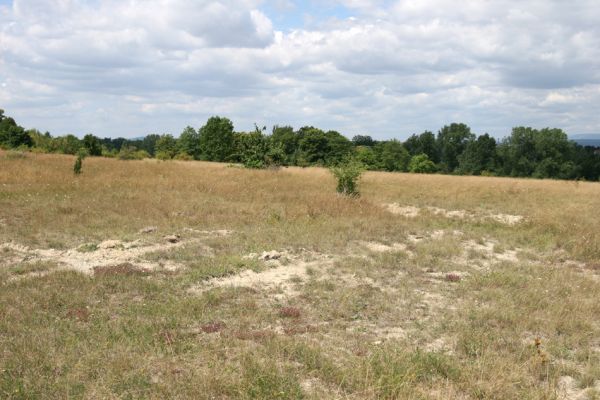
column 347, row 174
column 183, row 156
column 163, row 156
column 132, row 153
column 421, row 164
column 79, row 161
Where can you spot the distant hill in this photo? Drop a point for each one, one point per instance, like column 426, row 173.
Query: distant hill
column 588, row 139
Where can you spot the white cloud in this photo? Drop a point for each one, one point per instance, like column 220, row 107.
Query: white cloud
column 393, row 69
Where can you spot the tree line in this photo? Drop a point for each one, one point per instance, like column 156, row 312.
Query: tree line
column 526, row 152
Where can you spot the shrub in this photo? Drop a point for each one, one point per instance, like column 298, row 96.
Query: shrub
column 421, row 164
column 347, row 174
column 81, row 154
column 132, row 153
column 163, row 155
column 183, row 156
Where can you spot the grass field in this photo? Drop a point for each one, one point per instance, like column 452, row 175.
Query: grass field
column 148, row 279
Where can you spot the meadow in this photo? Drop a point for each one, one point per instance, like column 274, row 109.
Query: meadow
column 188, row 279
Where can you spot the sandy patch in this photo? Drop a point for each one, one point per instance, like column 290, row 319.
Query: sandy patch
column 405, row 211
column 213, row 233
column 377, row 247
column 507, row 219
column 458, row 214
column 440, row 345
column 568, row 389
column 287, row 270
column 112, row 252
column 390, row 333
column 413, row 212
column 487, row 253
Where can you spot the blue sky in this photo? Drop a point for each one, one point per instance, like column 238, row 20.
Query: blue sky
column 379, row 67
column 289, row 15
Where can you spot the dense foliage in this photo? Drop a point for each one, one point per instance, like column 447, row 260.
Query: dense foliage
column 526, row 152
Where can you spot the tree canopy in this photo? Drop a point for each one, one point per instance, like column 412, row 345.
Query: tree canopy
column 526, row 152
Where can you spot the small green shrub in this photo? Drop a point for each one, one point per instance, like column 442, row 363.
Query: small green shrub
column 347, row 174
column 79, row 162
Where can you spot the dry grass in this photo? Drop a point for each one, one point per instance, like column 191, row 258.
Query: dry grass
column 431, row 307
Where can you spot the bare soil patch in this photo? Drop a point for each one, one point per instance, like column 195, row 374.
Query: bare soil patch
column 287, row 269
column 110, row 256
column 408, row 211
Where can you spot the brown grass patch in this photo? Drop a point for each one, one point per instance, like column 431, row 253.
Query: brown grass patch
column 80, row 314
column 258, row 335
column 290, row 312
column 213, row 327
column 125, row 269
column 297, row 329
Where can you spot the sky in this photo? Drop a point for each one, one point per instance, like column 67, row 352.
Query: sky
column 373, row 67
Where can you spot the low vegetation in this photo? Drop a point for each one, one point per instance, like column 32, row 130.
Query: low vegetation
column 151, row 279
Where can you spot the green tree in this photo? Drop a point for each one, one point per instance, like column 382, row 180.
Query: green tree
column 363, row 140
column 313, row 146
column 11, row 134
column 423, row 144
column 421, row 164
column 42, row 141
column 587, row 163
column 216, row 139
column 391, row 155
column 92, row 145
column 366, row 156
column 284, row 138
column 545, row 153
column 148, row 143
column 68, row 144
column 251, row 149
column 338, row 147
column 479, row 156
column 451, row 141
column 165, row 147
column 189, row 142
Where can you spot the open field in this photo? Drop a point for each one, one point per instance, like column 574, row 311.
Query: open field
column 148, row 279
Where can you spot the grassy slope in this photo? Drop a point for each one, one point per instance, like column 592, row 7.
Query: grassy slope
column 129, row 336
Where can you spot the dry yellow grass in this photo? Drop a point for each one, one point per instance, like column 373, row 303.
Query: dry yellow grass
column 382, row 306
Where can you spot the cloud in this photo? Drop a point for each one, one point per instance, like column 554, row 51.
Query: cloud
column 393, row 68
